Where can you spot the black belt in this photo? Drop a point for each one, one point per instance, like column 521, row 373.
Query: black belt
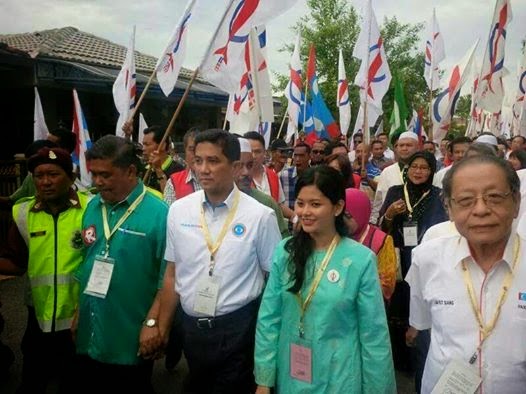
column 242, row 314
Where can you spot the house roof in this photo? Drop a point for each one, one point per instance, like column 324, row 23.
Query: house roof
column 69, row 43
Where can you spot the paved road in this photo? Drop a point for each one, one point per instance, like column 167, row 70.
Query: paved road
column 13, row 310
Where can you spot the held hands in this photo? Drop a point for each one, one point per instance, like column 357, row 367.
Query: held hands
column 151, row 345
column 263, row 390
column 395, row 209
column 410, row 336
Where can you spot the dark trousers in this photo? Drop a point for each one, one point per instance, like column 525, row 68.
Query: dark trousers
column 96, row 377
column 174, row 348
column 48, row 359
column 220, row 352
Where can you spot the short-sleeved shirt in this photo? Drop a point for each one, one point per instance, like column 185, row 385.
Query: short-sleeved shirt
column 440, row 301
column 240, row 262
column 109, row 328
column 288, row 178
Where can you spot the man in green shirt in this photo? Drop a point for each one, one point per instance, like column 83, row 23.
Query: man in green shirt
column 124, row 229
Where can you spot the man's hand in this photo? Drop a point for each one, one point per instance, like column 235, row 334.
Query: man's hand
column 150, row 343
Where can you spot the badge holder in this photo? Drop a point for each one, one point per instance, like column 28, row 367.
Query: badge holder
column 459, row 377
column 301, row 360
column 206, row 295
column 100, row 277
column 410, row 229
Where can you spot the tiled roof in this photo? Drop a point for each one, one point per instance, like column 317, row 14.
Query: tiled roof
column 69, row 43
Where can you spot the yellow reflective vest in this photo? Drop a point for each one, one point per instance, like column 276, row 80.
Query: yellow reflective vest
column 55, row 249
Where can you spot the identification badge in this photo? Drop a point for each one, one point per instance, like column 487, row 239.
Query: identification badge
column 100, row 277
column 301, row 362
column 459, row 378
column 206, row 295
column 410, row 234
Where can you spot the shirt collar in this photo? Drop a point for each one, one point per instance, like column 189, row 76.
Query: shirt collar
column 229, row 201
column 72, row 202
column 462, row 251
column 190, row 176
column 136, row 191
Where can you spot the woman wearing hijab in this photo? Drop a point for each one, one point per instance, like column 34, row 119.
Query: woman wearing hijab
column 358, row 207
column 321, row 326
column 408, row 211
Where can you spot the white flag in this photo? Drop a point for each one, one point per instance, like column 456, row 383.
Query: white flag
column 490, row 92
column 434, row 53
column 223, row 64
column 294, row 91
column 142, row 126
column 80, row 128
column 374, row 76
column 171, row 61
column 342, row 97
column 124, row 87
column 40, row 130
column 518, row 107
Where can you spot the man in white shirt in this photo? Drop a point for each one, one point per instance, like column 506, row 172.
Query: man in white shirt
column 457, row 148
column 392, row 175
column 388, row 152
column 462, row 284
column 219, row 248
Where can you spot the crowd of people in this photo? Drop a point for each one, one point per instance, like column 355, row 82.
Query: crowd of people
column 316, row 268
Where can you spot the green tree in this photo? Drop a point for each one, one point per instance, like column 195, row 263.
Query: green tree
column 334, row 24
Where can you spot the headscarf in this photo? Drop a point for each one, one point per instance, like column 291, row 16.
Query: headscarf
column 357, row 203
column 417, row 191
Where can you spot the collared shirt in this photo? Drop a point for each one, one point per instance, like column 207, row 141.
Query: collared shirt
column 389, row 154
column 381, row 163
column 439, row 176
column 288, row 178
column 169, row 190
column 240, row 262
column 390, row 176
column 264, row 187
column 440, row 301
column 109, row 328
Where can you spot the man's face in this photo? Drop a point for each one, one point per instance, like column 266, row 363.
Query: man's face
column 357, row 140
column 149, row 145
column 406, row 147
column 443, row 147
column 300, row 158
column 113, row 183
column 377, row 150
column 384, row 140
column 189, row 151
column 279, row 159
column 517, row 143
column 362, row 150
column 501, row 150
column 317, row 153
column 430, row 147
column 51, row 182
column 258, row 151
column 459, row 150
column 245, row 173
column 482, row 224
column 214, row 171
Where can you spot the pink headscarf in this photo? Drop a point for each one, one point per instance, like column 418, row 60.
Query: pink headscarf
column 357, row 203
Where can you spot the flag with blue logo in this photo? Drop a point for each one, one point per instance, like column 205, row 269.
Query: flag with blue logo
column 80, row 128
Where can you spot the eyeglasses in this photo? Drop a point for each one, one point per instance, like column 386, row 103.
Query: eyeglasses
column 317, row 152
column 491, row 200
column 421, row 168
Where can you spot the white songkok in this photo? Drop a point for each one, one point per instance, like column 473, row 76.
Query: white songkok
column 408, row 134
column 487, row 139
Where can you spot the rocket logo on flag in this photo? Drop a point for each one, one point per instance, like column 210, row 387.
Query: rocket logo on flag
column 434, row 53
column 83, row 144
column 342, row 100
column 376, row 71
column 243, row 12
column 169, row 61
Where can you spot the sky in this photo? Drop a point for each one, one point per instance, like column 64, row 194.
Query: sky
column 461, row 23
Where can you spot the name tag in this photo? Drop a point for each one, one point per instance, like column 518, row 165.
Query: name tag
column 410, row 234
column 100, row 277
column 206, row 295
column 301, row 362
column 459, row 377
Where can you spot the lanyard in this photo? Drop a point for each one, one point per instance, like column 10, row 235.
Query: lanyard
column 213, row 247
column 408, row 203
column 315, row 283
column 487, row 329
column 107, row 233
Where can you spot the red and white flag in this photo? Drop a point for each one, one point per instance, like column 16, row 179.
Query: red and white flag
column 294, row 91
column 80, row 128
column 342, row 97
column 519, row 106
column 434, row 53
column 224, row 64
column 169, row 64
column 124, row 87
column 490, row 92
column 374, row 76
column 40, row 130
column 444, row 104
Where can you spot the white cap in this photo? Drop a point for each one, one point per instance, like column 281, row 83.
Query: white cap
column 244, row 145
column 408, row 134
column 487, row 139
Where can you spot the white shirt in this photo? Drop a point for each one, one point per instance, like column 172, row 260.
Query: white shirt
column 389, row 154
column 440, row 301
column 390, row 176
column 444, row 229
column 439, row 176
column 241, row 260
column 264, row 187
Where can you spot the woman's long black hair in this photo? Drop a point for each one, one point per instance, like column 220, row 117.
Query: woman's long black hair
column 301, row 245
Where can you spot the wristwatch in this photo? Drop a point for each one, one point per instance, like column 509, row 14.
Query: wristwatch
column 150, row 323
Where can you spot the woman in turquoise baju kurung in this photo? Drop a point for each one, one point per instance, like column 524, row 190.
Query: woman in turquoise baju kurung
column 344, row 325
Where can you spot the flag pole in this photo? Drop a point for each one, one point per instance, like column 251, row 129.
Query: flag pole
column 174, row 117
column 254, row 72
column 366, row 133
column 282, row 123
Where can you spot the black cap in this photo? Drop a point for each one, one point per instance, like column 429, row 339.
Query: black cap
column 279, row 144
